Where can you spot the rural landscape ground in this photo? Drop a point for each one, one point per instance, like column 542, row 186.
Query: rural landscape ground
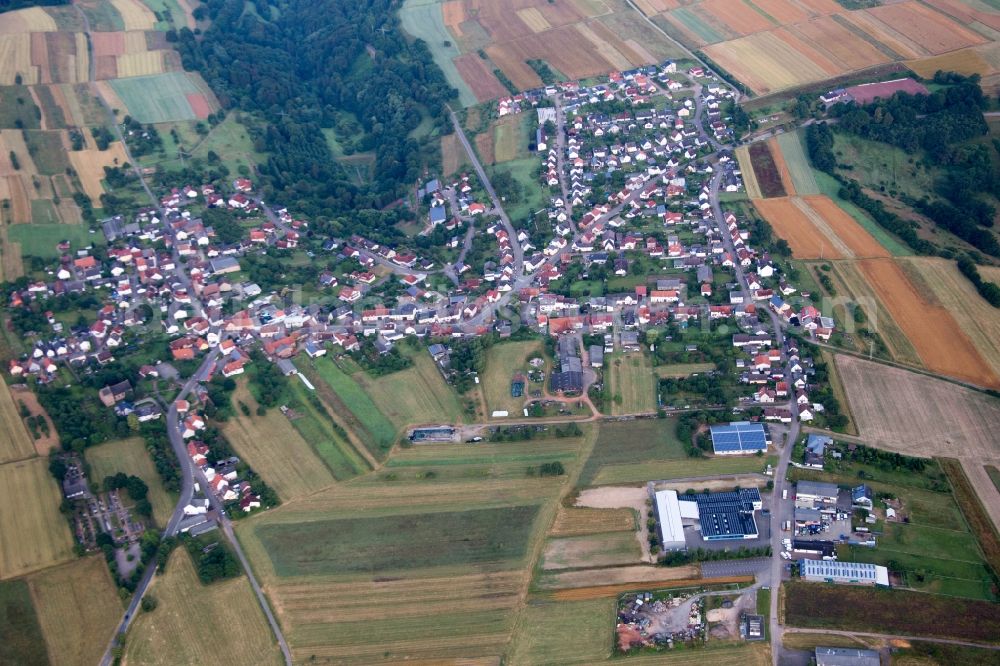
column 245, row 296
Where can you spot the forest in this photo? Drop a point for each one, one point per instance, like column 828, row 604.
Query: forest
column 300, row 66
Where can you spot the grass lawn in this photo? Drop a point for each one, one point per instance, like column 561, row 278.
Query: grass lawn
column 159, row 98
column 40, row 240
column 503, row 361
column 130, row 456
column 523, row 171
column 353, row 404
column 15, row 442
column 195, row 623
column 323, row 547
column 564, row 631
column 423, row 20
column 47, row 152
column 596, row 550
column 798, row 163
column 78, row 609
column 417, row 395
column 682, row 369
column 633, row 389
column 328, row 441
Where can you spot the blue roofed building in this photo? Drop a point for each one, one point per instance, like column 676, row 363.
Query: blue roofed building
column 438, row 215
column 728, row 515
column 739, row 438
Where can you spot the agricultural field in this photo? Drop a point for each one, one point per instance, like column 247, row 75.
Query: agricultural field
column 633, row 389
column 417, row 395
column 596, row 550
column 790, row 222
column 749, row 177
column 766, row 171
column 130, row 456
column 939, row 341
column 577, row 521
column 678, row 370
column 78, row 609
column 29, row 508
column 503, row 361
column 162, row 98
column 512, row 136
column 275, row 449
column 577, row 38
column 194, row 623
column 789, row 146
column 890, row 611
column 564, row 632
column 919, row 415
column 945, row 287
column 448, row 535
column 16, row 443
column 627, row 443
column 777, row 45
column 349, row 402
column 21, row 639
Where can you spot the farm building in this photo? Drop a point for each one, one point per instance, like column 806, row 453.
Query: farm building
column 851, row 573
column 668, row 512
column 725, row 516
column 836, row 656
column 739, row 438
column 816, row 492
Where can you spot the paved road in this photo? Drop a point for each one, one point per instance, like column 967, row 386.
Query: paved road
column 752, row 567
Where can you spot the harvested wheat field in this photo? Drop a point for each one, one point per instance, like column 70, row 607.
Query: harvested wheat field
column 930, row 29
column 29, row 508
column 919, row 415
column 89, row 165
column 966, row 61
column 843, row 47
column 578, row 521
column 20, row 204
column 452, row 155
column 12, row 141
column 883, row 34
column 135, row 14
column 790, row 223
column 749, row 177
column 78, row 609
column 941, row 281
column 784, row 12
column 15, row 59
column 22, row 21
column 145, row 63
column 861, row 243
column 942, row 345
column 484, row 147
column 44, row 444
column 520, row 74
column 766, row 63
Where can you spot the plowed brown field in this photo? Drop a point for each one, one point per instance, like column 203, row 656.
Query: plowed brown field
column 792, row 224
column 861, row 243
column 480, row 79
column 942, row 345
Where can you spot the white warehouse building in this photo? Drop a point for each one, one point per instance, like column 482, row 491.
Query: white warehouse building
column 852, row 573
column 668, row 513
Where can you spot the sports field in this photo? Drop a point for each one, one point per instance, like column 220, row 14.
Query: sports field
column 78, row 609
column 130, row 456
column 29, row 510
column 273, row 447
column 158, row 99
column 195, row 623
column 633, row 389
column 15, row 443
column 503, row 361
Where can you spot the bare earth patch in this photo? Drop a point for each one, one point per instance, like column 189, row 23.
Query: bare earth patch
column 612, row 497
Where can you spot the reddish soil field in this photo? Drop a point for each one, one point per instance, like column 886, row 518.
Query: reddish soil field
column 476, row 73
column 199, row 105
column 108, row 43
column 940, row 342
column 779, row 163
column 768, row 176
column 106, row 67
column 861, row 243
column 790, row 223
column 40, row 56
column 867, row 92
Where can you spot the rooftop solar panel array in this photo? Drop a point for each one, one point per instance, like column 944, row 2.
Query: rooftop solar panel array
column 740, row 436
column 726, row 515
